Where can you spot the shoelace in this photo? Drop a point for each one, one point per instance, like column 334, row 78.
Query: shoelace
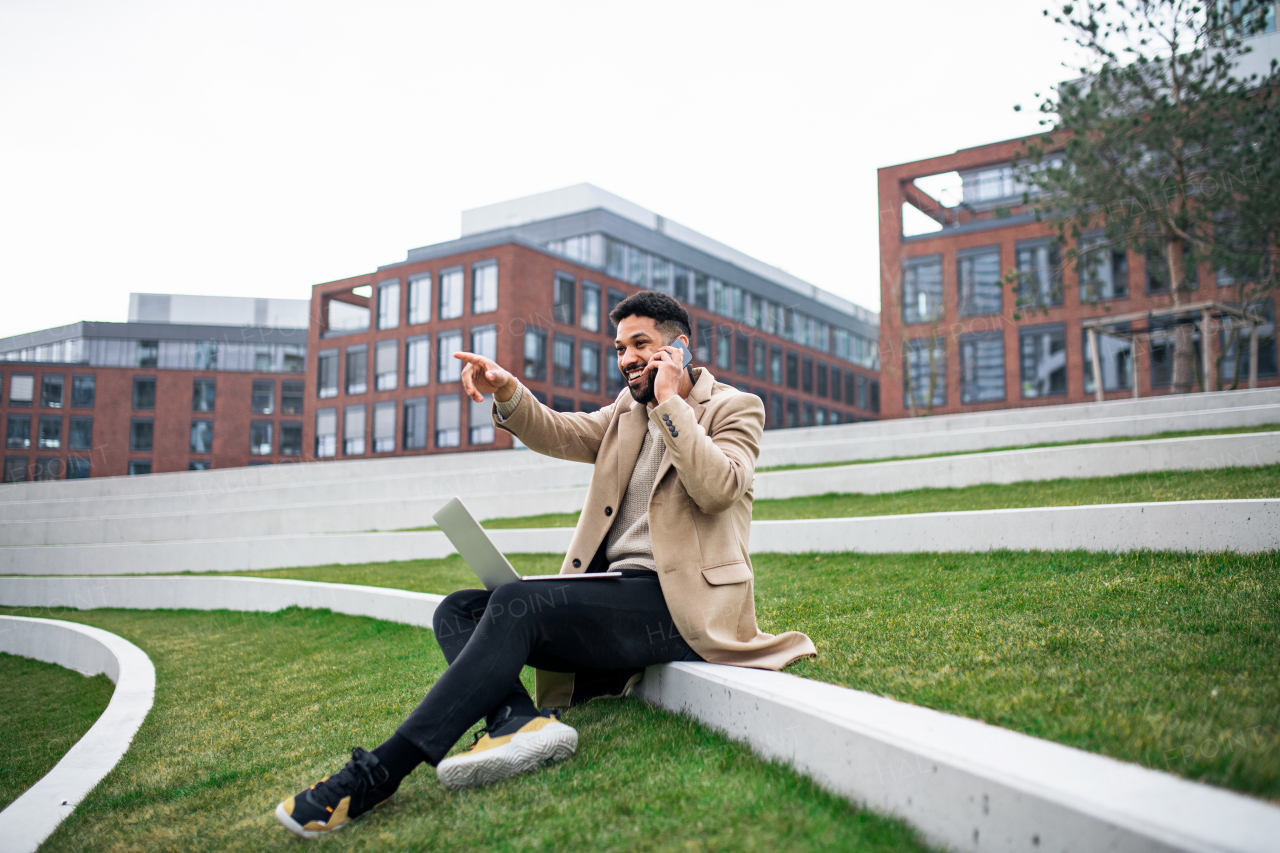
column 355, row 778
column 492, row 727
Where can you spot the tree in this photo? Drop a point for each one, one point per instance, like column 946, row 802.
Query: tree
column 1163, row 147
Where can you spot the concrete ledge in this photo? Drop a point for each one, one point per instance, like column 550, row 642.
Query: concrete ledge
column 30, row 819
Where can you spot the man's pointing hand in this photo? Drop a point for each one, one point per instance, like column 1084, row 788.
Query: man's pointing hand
column 481, row 376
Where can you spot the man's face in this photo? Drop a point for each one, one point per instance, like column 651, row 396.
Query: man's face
column 638, row 341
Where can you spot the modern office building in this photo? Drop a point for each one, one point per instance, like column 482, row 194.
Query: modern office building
column 190, row 382
column 530, row 284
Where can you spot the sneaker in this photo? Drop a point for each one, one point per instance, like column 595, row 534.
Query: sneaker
column 510, row 746
column 336, row 800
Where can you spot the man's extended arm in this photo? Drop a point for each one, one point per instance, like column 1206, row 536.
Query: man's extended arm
column 716, row 470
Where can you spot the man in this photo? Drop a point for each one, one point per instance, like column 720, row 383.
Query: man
column 669, row 507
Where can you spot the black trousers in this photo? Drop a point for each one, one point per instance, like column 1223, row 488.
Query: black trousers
column 557, row 625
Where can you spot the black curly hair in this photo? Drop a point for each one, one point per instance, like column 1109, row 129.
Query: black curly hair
column 667, row 314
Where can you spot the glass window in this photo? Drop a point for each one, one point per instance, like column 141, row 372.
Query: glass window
column 806, row 375
column 450, row 368
column 18, row 431
column 874, row 395
column 291, row 398
column 775, row 365
column 1157, row 264
column 821, row 375
column 415, row 423
column 353, row 430
column 724, row 346
column 480, row 419
column 144, row 392
column 562, row 361
column 590, row 307
column 615, row 296
column 199, row 465
column 451, row 294
column 384, row 427
column 589, row 368
column 138, row 467
column 926, row 371
column 263, row 399
column 861, row 392
column 417, row 361
column 742, row 354
column 921, row 289
column 202, row 436
column 80, row 434
column 1044, row 360
column 21, row 389
column 614, row 383
column 448, row 420
column 1116, row 355
column 484, row 288
column 981, row 367
column 980, row 285
column 660, row 275
column 835, row 385
column 1039, row 273
column 290, row 438
column 565, row 303
column 419, row 298
column 1104, row 270
column 327, row 374
column 793, row 370
column 793, row 414
column 78, row 468
column 141, row 434
column 759, row 358
column 147, row 354
column 535, row 353
column 50, row 437
column 358, row 369
column 83, row 390
column 484, row 341
column 562, row 404
column 204, row 393
column 51, row 390
column 820, row 416
column 385, row 369
column 1236, row 345
column 680, row 283
column 702, row 352
column 326, row 432
column 389, row 304
column 700, row 291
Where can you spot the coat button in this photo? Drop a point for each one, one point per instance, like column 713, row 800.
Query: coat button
column 608, row 510
column 577, row 564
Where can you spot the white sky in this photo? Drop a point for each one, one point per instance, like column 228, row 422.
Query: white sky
column 257, row 148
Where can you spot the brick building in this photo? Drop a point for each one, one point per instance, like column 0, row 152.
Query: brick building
column 530, row 284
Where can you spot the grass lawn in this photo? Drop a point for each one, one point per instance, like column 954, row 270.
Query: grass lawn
column 253, row 707
column 1167, row 660
column 44, row 710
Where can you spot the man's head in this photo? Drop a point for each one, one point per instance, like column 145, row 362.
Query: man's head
column 646, row 321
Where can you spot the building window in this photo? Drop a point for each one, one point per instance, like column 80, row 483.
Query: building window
column 326, row 433
column 565, row 285
column 204, row 394
column 291, row 398
column 793, row 414
column 263, row 399
column 835, row 384
column 415, row 423
column 1039, row 273
column 78, row 468
column 724, row 346
column 484, row 342
column 562, row 361
column 982, row 367
column 138, row 467
column 806, row 375
column 703, row 351
column 590, row 307
column 141, row 434
column 759, row 358
column 926, row 371
column 449, row 368
column 775, row 366
column 260, row 438
column 535, row 353
column 793, row 370
column 1157, row 264
column 921, row 289
column 875, row 395
column 614, row 381
column 806, row 415
column 979, row 285
column 327, row 374
column 484, row 288
column 80, row 434
column 1044, row 360
column 290, row 438
column 18, row 432
column 385, row 368
column 451, row 294
column 589, row 368
column 822, row 379
column 21, row 389
column 1235, row 344
column 50, row 436
column 742, row 354
column 562, row 404
column 480, row 421
column 419, row 299
column 83, row 390
column 358, row 369
column 51, row 390
column 775, row 415
column 199, row 465
column 820, row 416
column 147, row 354
column 144, row 393
column 448, row 420
column 202, row 436
column 860, row 392
column 615, row 296
column 353, row 430
column 389, row 304
column 417, row 361
column 1116, row 355
column 1104, row 271
column 384, row 427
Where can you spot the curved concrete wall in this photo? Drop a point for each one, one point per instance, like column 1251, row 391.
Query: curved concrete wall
column 30, row 819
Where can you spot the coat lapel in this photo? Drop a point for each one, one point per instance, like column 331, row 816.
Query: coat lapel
column 631, row 429
column 700, row 394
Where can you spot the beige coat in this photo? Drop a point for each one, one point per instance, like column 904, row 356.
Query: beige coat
column 699, row 511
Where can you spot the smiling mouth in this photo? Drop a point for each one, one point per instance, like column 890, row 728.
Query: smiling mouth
column 634, row 376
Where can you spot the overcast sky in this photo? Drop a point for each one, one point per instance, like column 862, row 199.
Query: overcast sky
column 257, row 148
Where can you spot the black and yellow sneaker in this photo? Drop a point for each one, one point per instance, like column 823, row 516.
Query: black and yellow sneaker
column 336, row 800
column 509, row 746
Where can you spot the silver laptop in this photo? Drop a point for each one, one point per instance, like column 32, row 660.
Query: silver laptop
column 484, row 558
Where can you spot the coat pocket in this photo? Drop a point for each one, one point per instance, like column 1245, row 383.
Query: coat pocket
column 728, row 573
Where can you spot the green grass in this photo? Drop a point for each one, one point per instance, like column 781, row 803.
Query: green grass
column 251, row 707
column 44, row 710
column 1168, row 434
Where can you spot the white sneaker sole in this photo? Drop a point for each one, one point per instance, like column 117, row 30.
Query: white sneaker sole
column 524, row 752
column 296, row 828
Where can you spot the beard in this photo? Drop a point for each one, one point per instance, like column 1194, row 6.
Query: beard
column 642, row 392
